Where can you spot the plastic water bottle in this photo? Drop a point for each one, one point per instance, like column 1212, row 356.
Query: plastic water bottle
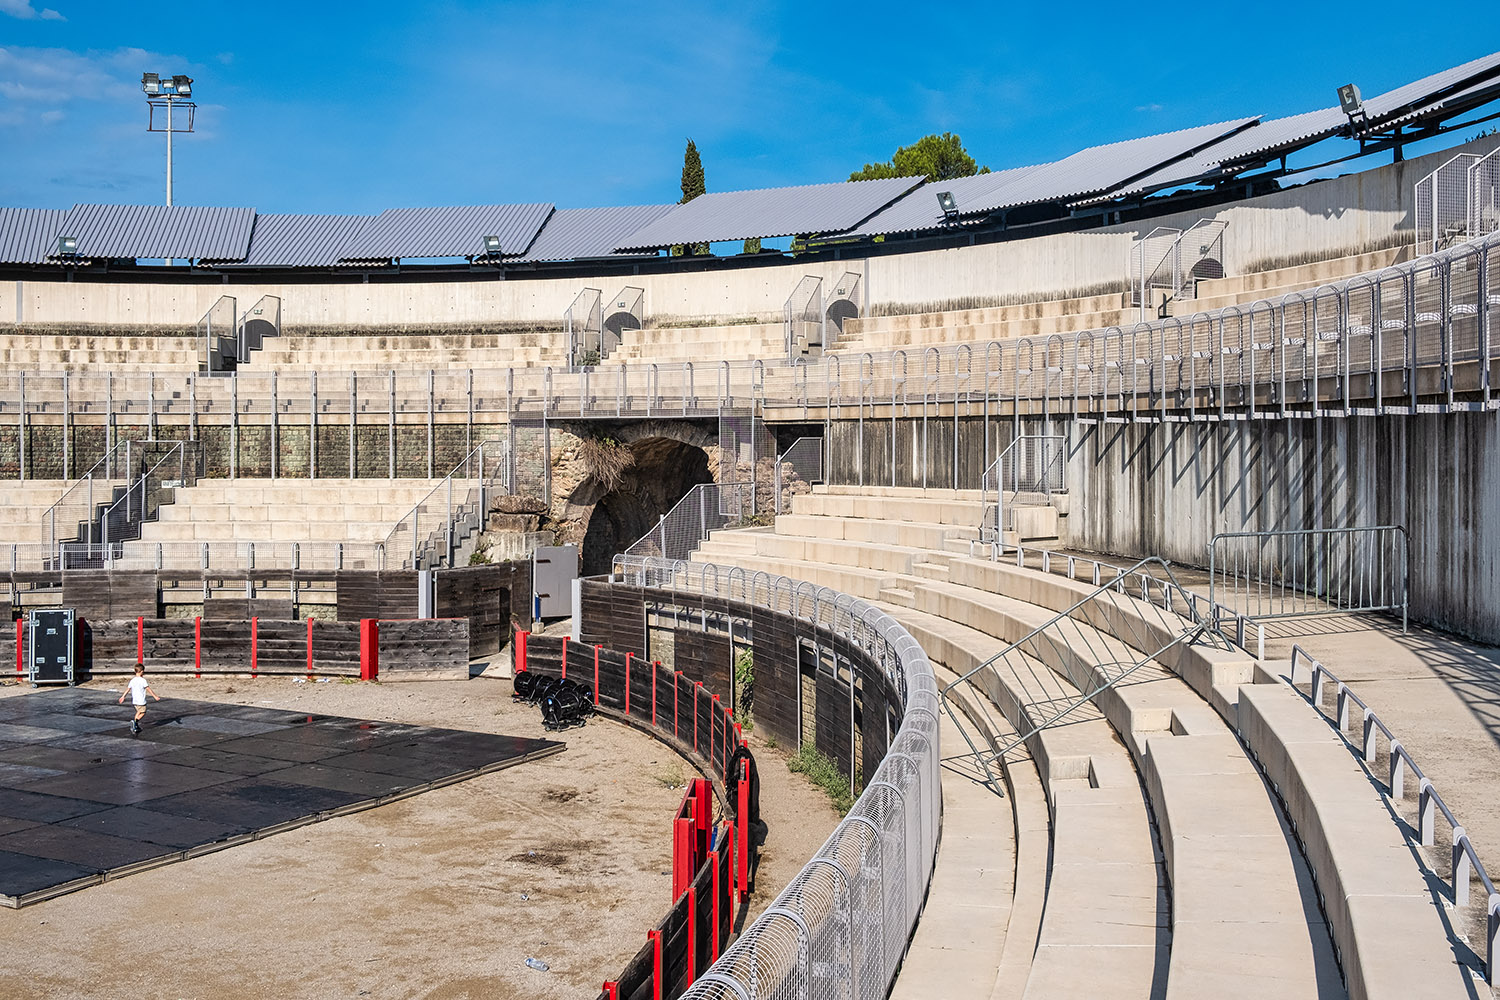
column 537, row 964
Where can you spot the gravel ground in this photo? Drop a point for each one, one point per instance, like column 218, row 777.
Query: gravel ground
column 441, row 896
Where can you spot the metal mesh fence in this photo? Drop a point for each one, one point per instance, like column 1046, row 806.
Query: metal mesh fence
column 1442, row 204
column 443, row 523
column 1484, row 194
column 804, row 317
column 1155, row 264
column 839, row 929
column 797, row 469
column 704, row 508
column 584, row 322
column 218, row 336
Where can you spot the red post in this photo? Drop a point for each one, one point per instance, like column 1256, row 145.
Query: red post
column 676, row 688
column 140, row 640
column 596, row 675
column 369, row 649
column 198, row 645
column 656, row 970
column 718, row 894
column 655, row 669
column 565, row 658
column 739, row 737
column 692, row 935
column 20, row 645
column 682, row 855
column 628, row 657
column 714, row 717
column 254, row 647
column 309, row 645
column 696, row 686
column 612, row 989
column 742, row 820
column 518, row 653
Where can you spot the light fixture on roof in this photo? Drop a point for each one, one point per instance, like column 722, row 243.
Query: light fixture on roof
column 67, row 246
column 1350, row 102
column 151, row 84
column 948, row 205
column 163, row 92
column 492, row 246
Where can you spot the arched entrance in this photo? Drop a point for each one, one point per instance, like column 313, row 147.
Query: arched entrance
column 661, row 472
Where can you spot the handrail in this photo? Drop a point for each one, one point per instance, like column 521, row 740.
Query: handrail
column 452, row 514
column 141, row 482
column 1466, row 863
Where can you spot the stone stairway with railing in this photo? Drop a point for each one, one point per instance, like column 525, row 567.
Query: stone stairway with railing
column 1173, row 871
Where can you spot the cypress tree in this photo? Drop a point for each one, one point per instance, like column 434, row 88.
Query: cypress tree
column 692, row 174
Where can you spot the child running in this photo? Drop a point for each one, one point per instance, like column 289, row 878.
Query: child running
column 138, row 688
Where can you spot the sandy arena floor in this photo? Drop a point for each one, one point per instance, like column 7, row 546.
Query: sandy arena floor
column 441, row 896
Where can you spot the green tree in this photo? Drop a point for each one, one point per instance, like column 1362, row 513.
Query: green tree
column 935, row 157
column 692, row 174
column 693, row 186
column 752, row 245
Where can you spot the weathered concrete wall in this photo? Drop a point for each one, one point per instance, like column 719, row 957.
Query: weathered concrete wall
column 1166, row 489
column 1325, row 219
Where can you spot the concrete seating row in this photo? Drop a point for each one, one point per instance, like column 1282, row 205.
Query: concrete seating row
column 962, row 625
column 25, row 505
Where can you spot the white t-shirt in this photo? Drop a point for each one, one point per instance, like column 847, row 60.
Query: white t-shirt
column 137, row 689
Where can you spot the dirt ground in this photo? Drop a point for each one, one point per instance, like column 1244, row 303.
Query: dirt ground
column 442, row 896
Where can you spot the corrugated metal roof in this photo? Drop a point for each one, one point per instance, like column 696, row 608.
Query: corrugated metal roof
column 1102, row 168
column 770, row 212
column 577, row 233
column 189, row 232
column 919, row 209
column 454, row 231
column 28, row 235
column 301, row 240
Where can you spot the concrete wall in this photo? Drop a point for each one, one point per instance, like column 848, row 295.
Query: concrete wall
column 1166, row 489
column 1324, row 219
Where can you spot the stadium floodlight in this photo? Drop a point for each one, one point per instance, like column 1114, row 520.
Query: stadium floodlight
column 492, row 246
column 163, row 92
column 151, row 84
column 67, row 246
column 948, row 205
column 1350, row 101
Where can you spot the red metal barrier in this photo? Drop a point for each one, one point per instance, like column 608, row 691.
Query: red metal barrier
column 676, row 699
column 696, row 686
column 628, row 658
column 742, row 821
column 713, row 859
column 692, row 936
column 254, row 647
column 565, row 659
column 656, row 969
column 140, row 640
column 655, row 669
column 596, row 675
column 518, row 653
column 198, row 645
column 20, row 643
column 369, row 649
column 612, row 989
column 309, row 646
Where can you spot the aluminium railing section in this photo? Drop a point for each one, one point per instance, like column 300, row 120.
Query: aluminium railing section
column 72, row 516
column 704, row 508
column 1484, row 194
column 454, row 510
column 1032, row 466
column 841, row 926
column 1312, row 571
column 218, row 333
column 804, row 318
column 801, row 463
column 138, row 478
column 228, row 557
column 584, row 323
column 1051, row 673
column 1442, row 204
column 1466, row 866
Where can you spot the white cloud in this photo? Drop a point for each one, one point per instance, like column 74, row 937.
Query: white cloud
column 1150, row 107
column 52, row 117
column 22, row 9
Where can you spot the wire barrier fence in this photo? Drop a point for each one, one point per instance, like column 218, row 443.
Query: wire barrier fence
column 584, row 324
column 1484, row 194
column 704, row 508
column 1053, row 673
column 841, row 926
column 804, row 317
column 230, row 557
column 218, row 335
column 797, row 469
column 1313, row 571
column 625, row 312
column 1413, row 337
column 1443, row 204
column 456, row 510
column 1365, row 739
column 260, row 321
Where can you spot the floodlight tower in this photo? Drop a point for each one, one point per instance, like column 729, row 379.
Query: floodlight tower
column 163, row 92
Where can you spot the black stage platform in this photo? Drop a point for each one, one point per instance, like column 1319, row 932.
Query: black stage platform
column 82, row 800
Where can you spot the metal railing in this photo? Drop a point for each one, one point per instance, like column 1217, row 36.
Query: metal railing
column 1030, row 469
column 260, row 321
column 804, row 318
column 145, row 493
column 1484, row 194
column 1155, row 263
column 797, row 469
column 1049, row 674
column 704, row 508
column 72, row 515
column 1312, row 571
column 626, row 311
column 1466, row 866
column 1443, row 204
column 189, row 556
column 841, row 926
column 456, row 509
column 218, row 333
column 584, row 323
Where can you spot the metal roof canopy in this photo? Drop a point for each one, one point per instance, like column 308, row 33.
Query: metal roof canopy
column 28, row 235
column 920, row 210
column 579, row 233
column 456, row 231
column 301, row 240
column 1102, row 168
column 159, row 231
column 770, row 212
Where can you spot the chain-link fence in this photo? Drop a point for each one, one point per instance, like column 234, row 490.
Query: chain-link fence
column 1484, row 194
column 704, row 508
column 840, row 928
column 1442, row 204
column 797, row 469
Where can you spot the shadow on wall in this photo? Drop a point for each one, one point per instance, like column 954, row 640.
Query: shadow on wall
column 662, row 471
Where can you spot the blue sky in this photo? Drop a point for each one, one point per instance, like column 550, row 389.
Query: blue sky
column 337, row 107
